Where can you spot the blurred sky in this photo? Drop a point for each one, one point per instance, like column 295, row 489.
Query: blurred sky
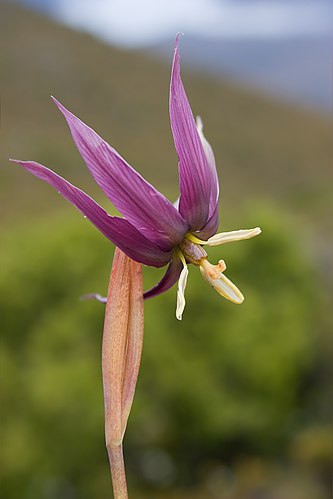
column 283, row 47
column 140, row 22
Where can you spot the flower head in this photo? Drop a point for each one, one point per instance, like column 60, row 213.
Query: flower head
column 153, row 231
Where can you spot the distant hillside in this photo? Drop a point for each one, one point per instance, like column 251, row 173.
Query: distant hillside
column 289, row 58
column 265, row 151
column 296, row 69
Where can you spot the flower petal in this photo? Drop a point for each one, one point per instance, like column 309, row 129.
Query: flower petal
column 169, row 279
column 118, row 230
column 234, row 235
column 194, row 171
column 211, row 226
column 224, row 287
column 140, row 203
column 214, row 181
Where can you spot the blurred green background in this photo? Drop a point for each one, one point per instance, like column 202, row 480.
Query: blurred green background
column 232, row 402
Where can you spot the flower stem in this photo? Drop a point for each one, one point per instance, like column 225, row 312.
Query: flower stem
column 117, row 466
column 121, row 354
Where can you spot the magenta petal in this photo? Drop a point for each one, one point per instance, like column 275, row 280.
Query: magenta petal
column 210, row 228
column 169, row 279
column 136, row 245
column 194, row 171
column 118, row 230
column 140, row 203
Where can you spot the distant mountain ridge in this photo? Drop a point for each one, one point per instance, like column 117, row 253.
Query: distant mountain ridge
column 296, row 69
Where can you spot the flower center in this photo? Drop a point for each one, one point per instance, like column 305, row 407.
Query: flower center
column 194, row 253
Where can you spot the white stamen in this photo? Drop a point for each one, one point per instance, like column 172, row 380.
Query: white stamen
column 224, row 287
column 181, row 292
column 235, row 235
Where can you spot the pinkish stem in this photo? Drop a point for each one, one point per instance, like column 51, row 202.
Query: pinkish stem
column 121, row 354
column 117, row 466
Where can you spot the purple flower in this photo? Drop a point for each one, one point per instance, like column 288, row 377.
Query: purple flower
column 153, row 231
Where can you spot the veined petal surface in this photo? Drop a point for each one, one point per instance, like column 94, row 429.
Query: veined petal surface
column 194, row 171
column 117, row 229
column 140, row 203
column 214, row 181
column 210, row 228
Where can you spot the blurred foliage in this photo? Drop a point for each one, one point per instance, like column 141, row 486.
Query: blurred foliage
column 227, row 386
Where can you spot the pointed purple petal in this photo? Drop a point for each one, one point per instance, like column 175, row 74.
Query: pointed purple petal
column 169, row 279
column 194, row 171
column 118, row 230
column 140, row 203
column 211, row 226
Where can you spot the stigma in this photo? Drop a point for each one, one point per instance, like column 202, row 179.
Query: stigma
column 195, row 254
